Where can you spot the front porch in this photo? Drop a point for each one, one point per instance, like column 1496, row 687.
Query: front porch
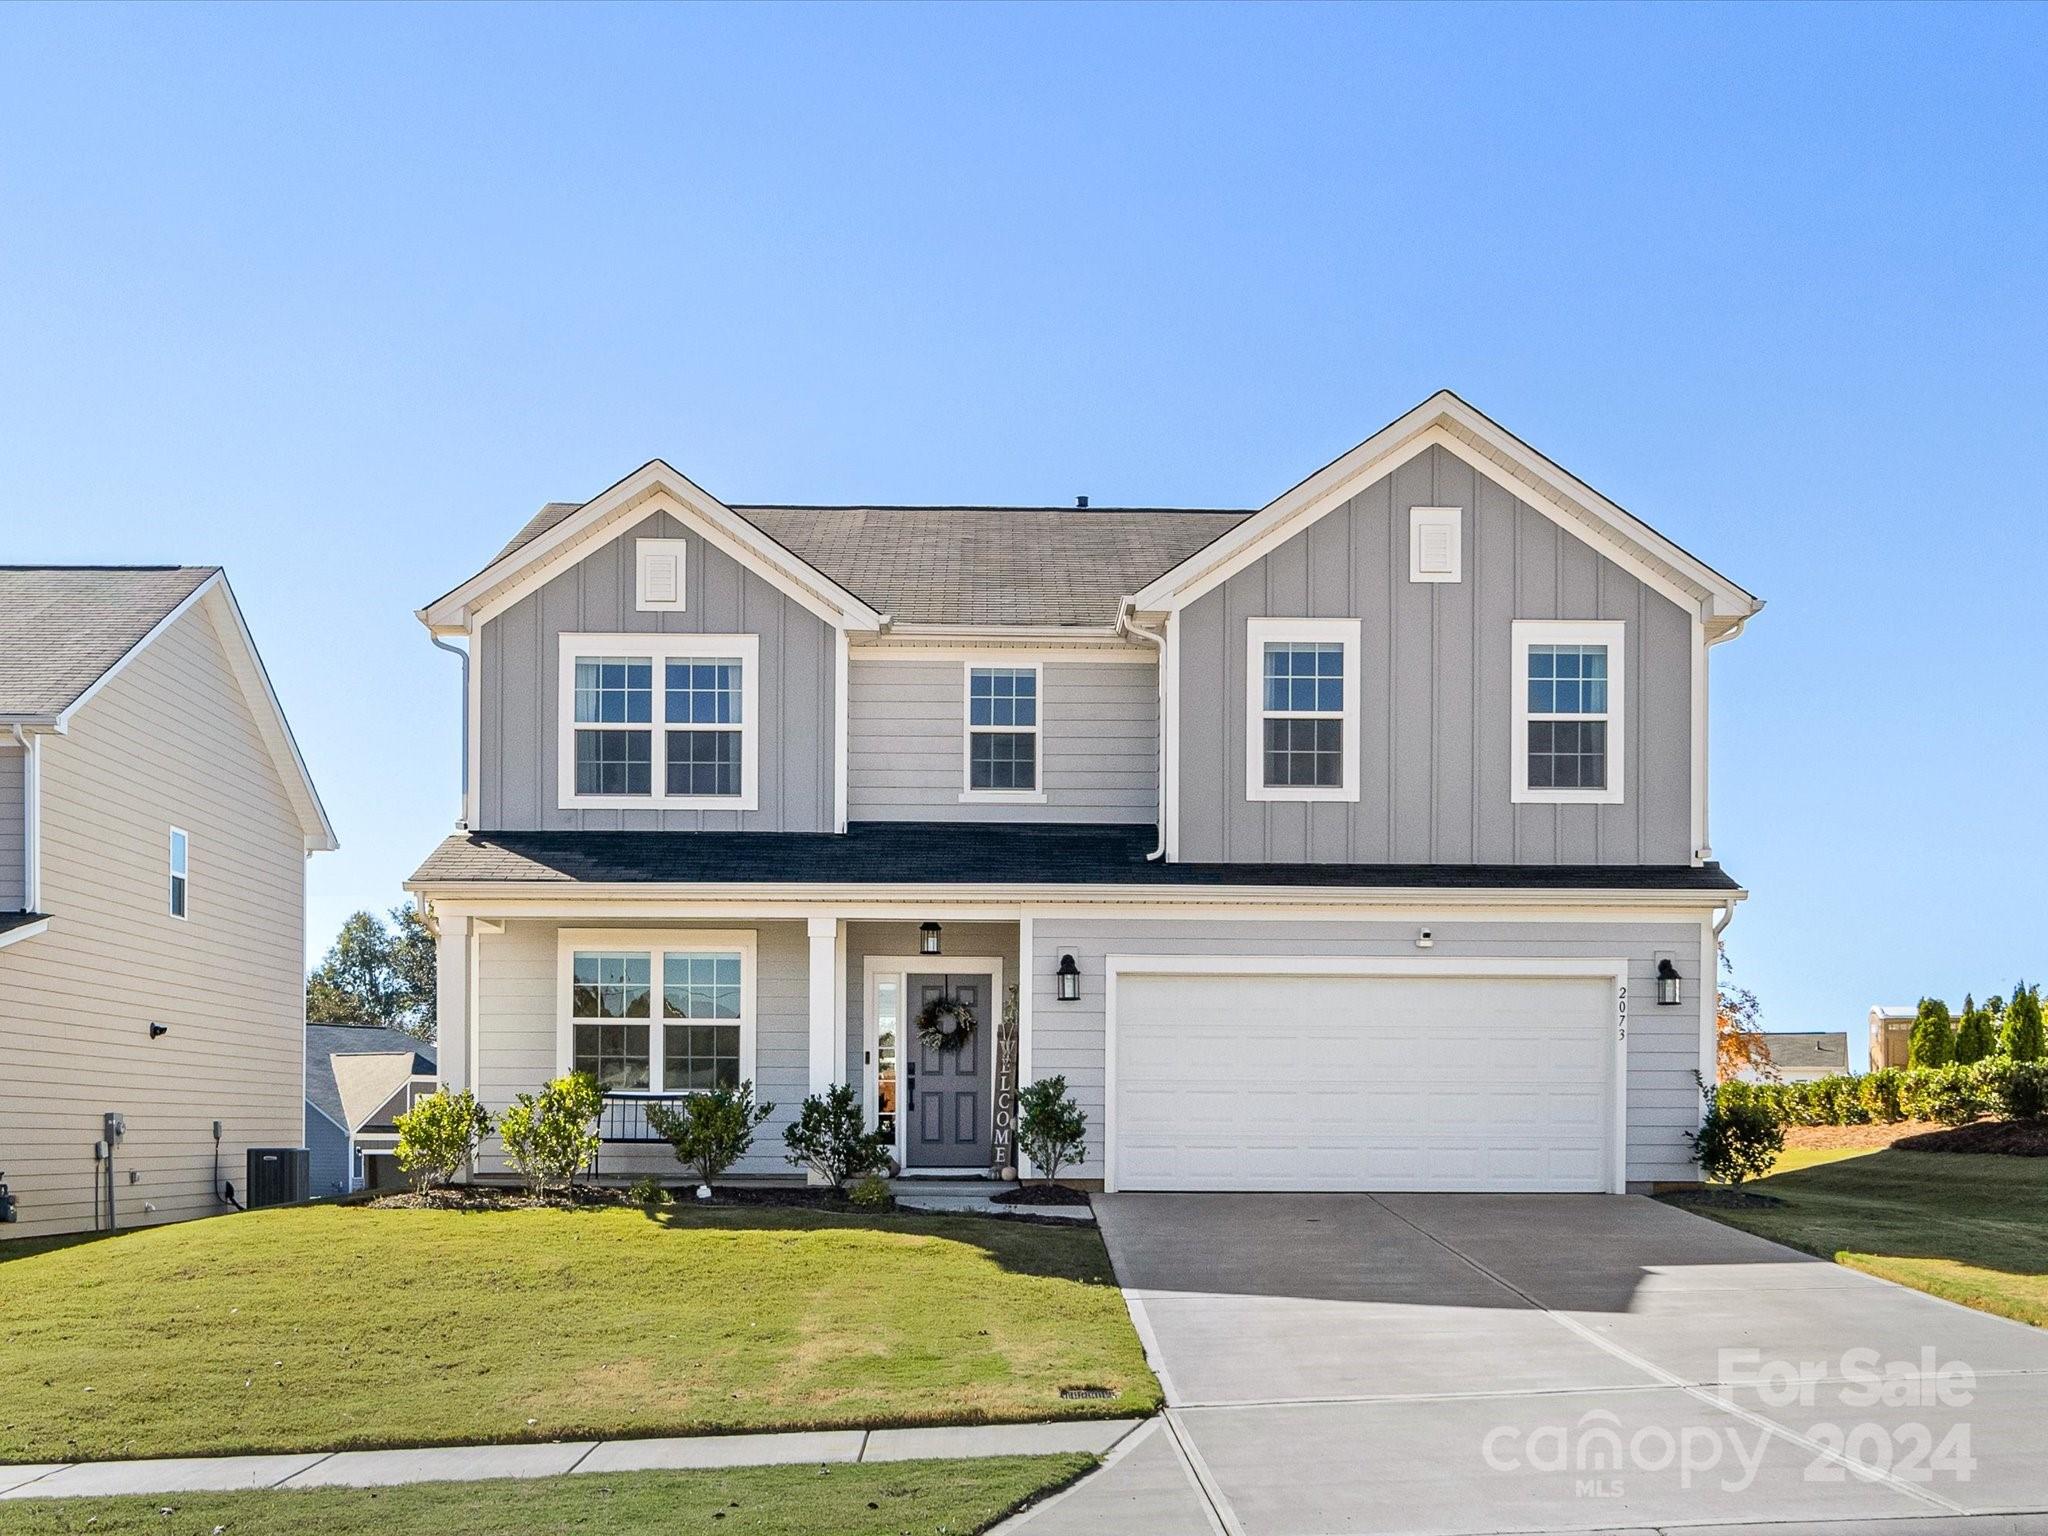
column 660, row 1008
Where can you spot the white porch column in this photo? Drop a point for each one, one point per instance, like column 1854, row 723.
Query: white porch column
column 451, row 1001
column 828, row 1027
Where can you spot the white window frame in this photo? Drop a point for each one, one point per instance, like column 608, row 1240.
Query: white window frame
column 643, row 550
column 969, row 795
column 181, row 878
column 660, row 650
column 655, row 944
column 1611, row 633
column 1452, row 520
column 1259, row 633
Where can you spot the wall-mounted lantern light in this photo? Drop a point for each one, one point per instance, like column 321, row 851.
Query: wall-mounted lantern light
column 1069, row 975
column 1667, row 983
column 928, row 938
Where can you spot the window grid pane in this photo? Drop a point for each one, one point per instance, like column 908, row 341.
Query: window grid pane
column 614, row 1054
column 1006, row 696
column 704, row 691
column 704, row 762
column 614, row 762
column 698, row 1055
column 1567, row 679
column 610, row 985
column 614, row 690
column 1304, row 753
column 1305, row 678
column 1567, row 754
column 1002, row 760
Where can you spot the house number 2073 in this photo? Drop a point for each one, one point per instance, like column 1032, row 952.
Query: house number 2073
column 1621, row 1012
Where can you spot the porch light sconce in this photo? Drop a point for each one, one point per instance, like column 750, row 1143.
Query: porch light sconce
column 1667, row 983
column 1069, row 975
column 928, row 938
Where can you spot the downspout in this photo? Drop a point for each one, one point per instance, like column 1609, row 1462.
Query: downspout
column 31, row 821
column 462, row 801
column 1131, row 631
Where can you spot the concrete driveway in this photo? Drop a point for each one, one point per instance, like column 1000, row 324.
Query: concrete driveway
column 1480, row 1363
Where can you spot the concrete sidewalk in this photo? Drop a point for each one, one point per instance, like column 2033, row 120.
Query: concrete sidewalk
column 470, row 1463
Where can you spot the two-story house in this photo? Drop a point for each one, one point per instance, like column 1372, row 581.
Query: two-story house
column 1355, row 842
column 155, row 823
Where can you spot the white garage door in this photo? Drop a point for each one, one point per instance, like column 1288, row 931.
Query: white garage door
column 1304, row 1082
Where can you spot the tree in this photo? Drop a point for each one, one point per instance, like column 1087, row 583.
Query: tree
column 1739, row 1043
column 712, row 1130
column 1976, row 1035
column 2022, row 1039
column 377, row 975
column 438, row 1136
column 1933, row 1041
column 1051, row 1128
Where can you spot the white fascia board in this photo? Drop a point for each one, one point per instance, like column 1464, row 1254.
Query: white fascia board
column 61, row 722
column 655, row 486
column 25, row 931
column 1568, row 501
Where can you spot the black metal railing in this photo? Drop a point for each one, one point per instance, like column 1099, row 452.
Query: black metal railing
column 624, row 1116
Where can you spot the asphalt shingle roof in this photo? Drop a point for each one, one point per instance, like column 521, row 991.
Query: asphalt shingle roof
column 955, row 853
column 326, row 1041
column 63, row 626
column 977, row 565
column 1822, row 1050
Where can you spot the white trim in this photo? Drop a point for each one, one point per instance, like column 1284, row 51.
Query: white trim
column 969, row 795
column 995, row 652
column 826, row 1052
column 1452, row 521
column 1614, row 971
column 473, row 791
column 31, row 821
column 903, row 967
column 25, row 931
column 654, row 943
column 647, row 553
column 171, row 890
column 1702, row 847
column 659, row 650
column 191, row 600
column 841, row 714
column 1027, row 988
column 1611, row 633
column 1259, row 633
column 652, row 488
column 1487, row 448
column 1169, row 736
column 1709, row 990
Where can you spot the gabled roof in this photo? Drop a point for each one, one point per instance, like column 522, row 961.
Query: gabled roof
column 1813, row 1050
column 66, row 631
column 1445, row 420
column 63, row 627
column 399, row 1055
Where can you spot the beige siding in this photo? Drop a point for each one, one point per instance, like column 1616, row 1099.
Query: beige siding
column 168, row 742
column 11, row 826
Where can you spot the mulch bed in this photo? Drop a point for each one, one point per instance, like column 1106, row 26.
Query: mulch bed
column 1819, row 1137
column 1041, row 1194
column 1721, row 1199
column 2002, row 1138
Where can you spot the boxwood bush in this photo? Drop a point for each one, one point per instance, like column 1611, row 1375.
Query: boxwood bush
column 1953, row 1094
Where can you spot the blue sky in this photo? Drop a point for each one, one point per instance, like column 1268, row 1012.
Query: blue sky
column 338, row 296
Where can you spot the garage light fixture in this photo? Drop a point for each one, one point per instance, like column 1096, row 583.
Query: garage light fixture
column 1069, row 975
column 1667, row 983
column 928, row 938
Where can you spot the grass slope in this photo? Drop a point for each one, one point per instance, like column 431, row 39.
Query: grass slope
column 1972, row 1229
column 872, row 1499
column 331, row 1327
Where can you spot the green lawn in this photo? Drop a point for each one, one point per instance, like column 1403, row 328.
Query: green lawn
column 1972, row 1229
column 868, row 1499
column 1792, row 1159
column 330, row 1327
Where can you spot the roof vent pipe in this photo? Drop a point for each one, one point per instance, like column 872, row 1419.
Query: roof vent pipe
column 462, row 801
column 1080, row 501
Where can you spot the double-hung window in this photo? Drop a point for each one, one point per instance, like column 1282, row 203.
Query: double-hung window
column 662, row 721
column 1568, row 720
column 1301, row 709
column 1002, row 734
column 647, row 1012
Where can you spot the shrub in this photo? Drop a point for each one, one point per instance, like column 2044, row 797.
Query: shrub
column 550, row 1136
column 1739, row 1137
column 1933, row 1041
column 1976, row 1035
column 830, row 1137
column 438, row 1136
column 2022, row 1038
column 713, row 1130
column 647, row 1190
column 1953, row 1095
column 872, row 1194
column 2018, row 1089
column 1883, row 1093
column 1052, row 1129
column 1836, row 1100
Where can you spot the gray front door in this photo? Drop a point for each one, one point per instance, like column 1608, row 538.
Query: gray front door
column 948, row 1090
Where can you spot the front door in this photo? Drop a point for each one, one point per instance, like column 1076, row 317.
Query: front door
column 948, row 1090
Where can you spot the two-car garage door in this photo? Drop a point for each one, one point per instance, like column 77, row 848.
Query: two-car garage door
column 1275, row 1081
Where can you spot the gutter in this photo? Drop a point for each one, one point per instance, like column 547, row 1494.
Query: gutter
column 1129, row 630
column 462, row 802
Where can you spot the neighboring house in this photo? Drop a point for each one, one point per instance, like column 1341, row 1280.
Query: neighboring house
column 1891, row 1036
column 1800, row 1057
column 359, row 1079
column 1337, row 844
column 155, row 822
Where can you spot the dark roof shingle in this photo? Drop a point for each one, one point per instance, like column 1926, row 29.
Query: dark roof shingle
column 326, row 1041
column 63, row 626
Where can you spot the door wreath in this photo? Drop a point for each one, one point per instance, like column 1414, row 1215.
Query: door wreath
column 946, row 1023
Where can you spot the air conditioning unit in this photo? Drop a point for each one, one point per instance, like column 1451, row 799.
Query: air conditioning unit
column 278, row 1175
